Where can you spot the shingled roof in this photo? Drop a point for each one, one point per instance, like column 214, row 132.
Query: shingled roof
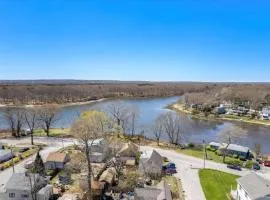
column 255, row 186
column 56, row 157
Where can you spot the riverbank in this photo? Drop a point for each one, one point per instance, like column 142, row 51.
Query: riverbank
column 178, row 107
column 60, row 105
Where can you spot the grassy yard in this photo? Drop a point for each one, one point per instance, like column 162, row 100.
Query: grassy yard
column 217, row 185
column 54, row 132
column 214, row 157
column 175, row 186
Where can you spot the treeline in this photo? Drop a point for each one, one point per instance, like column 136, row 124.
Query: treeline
column 254, row 96
column 37, row 94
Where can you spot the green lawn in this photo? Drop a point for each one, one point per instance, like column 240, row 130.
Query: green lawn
column 54, row 132
column 213, row 156
column 217, row 185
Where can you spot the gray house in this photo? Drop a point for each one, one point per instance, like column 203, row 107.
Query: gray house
column 56, row 160
column 234, row 149
column 98, row 149
column 151, row 163
column 252, row 187
column 22, row 186
column 159, row 192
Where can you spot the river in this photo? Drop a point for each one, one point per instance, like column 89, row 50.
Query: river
column 194, row 130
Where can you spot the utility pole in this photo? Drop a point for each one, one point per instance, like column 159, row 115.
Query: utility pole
column 204, row 153
column 13, row 167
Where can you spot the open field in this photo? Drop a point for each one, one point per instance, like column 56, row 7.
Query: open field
column 54, row 132
column 216, row 184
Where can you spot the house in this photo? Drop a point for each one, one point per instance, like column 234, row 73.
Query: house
column 98, row 188
column 151, row 163
column 234, row 149
column 21, row 185
column 5, row 155
column 98, row 149
column 56, row 160
column 253, row 187
column 266, row 110
column 128, row 152
column 220, row 110
column 215, row 145
column 159, row 192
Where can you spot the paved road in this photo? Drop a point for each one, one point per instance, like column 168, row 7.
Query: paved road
column 188, row 168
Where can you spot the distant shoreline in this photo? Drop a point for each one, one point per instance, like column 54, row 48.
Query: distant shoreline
column 60, row 105
column 178, row 107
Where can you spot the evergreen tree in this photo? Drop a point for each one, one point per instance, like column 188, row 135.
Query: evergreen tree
column 39, row 167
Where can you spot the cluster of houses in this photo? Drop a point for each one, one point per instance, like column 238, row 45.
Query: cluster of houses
column 237, row 110
column 22, row 186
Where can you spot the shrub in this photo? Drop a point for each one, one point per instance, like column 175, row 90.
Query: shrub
column 218, row 152
column 234, row 162
column 191, row 145
column 7, row 164
column 242, row 158
column 16, row 159
column 249, row 164
column 137, row 159
column 235, row 156
column 195, row 112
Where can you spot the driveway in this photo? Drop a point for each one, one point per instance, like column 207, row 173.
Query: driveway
column 187, row 171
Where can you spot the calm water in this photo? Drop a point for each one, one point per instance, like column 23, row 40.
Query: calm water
column 193, row 130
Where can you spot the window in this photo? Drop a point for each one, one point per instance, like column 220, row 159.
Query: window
column 24, row 195
column 11, row 195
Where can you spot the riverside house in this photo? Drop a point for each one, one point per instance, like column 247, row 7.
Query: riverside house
column 151, row 163
column 56, row 160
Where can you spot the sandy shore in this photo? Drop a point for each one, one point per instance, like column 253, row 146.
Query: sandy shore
column 61, row 105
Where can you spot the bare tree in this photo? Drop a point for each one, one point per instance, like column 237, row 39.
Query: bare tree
column 47, row 116
column 118, row 111
column 86, row 129
column 15, row 120
column 158, row 128
column 171, row 125
column 30, row 116
column 134, row 115
column 228, row 134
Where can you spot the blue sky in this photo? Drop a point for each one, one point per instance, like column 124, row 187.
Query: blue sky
column 152, row 40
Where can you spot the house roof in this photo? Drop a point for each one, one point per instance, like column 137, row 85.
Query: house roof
column 96, row 185
column 56, row 157
column 96, row 141
column 238, row 148
column 4, row 152
column 19, row 181
column 159, row 192
column 256, row 186
column 108, row 175
column 215, row 144
column 129, row 149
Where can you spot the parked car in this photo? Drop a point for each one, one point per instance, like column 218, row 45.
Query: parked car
column 170, row 165
column 236, row 167
column 256, row 166
column 169, row 171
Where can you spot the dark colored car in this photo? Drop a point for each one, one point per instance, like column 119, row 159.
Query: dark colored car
column 256, row 166
column 236, row 167
column 23, row 149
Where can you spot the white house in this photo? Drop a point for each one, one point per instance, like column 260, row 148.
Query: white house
column 20, row 185
column 253, row 187
column 5, row 155
column 151, row 163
